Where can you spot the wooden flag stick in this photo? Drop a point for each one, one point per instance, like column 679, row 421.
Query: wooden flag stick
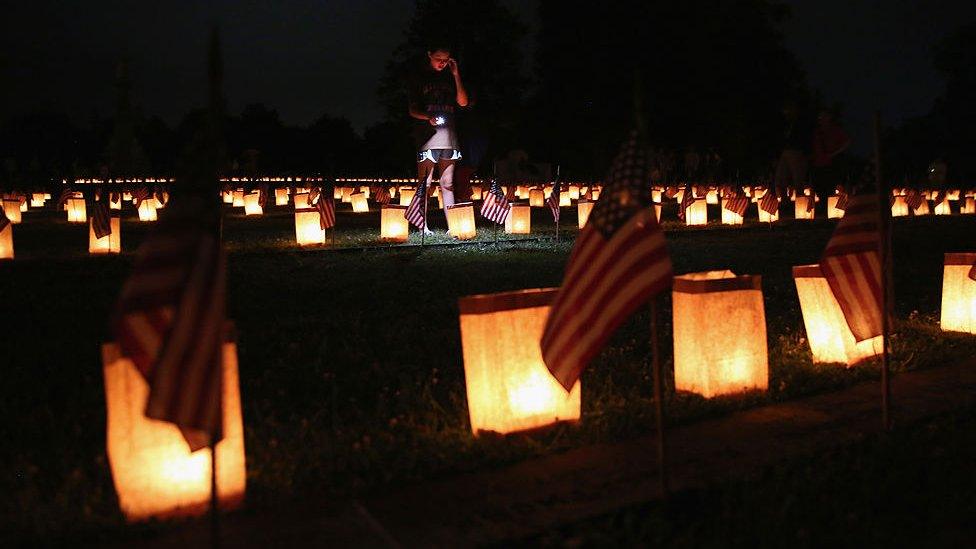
column 423, row 188
column 885, row 227
column 658, row 402
column 558, row 182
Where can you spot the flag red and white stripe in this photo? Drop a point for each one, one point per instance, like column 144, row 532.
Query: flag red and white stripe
column 326, row 208
column 687, row 199
column 416, row 212
column 914, row 199
column 553, row 201
column 66, row 193
column 170, row 321
column 851, row 263
column 737, row 202
column 769, row 202
column 495, row 206
column 381, row 195
column 101, row 218
column 620, row 259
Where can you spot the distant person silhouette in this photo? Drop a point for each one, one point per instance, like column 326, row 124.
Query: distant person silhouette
column 434, row 96
column 829, row 141
column 791, row 168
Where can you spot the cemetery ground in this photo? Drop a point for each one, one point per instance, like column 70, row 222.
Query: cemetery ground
column 352, row 378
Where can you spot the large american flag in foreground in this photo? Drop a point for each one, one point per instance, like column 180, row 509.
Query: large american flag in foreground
column 170, row 320
column 620, row 259
column 495, row 206
column 851, row 263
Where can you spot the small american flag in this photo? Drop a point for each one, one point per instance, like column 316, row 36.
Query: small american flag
column 3, row 220
column 264, row 189
column 811, row 201
column 66, row 193
column 495, row 206
column 416, row 212
column 170, row 321
column 914, row 199
column 687, row 199
column 553, row 200
column 851, row 263
column 325, row 207
column 842, row 200
column 737, row 202
column 101, row 218
column 139, row 194
column 769, row 203
column 382, row 195
column 620, row 259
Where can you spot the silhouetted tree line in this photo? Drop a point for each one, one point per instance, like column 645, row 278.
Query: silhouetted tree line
column 715, row 77
column 948, row 132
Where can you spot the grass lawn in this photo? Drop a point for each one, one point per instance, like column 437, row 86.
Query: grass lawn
column 912, row 488
column 350, row 363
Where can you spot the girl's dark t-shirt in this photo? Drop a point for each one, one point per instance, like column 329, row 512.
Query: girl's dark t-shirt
column 432, row 92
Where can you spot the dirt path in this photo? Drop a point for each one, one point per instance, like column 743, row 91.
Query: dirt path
column 543, row 493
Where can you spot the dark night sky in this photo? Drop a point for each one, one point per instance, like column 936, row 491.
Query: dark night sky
column 306, row 57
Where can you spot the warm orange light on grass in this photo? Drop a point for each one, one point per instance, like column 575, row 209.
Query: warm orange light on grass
column 76, row 210
column 583, row 209
column 7, row 242
column 958, row 293
column 829, row 335
column 406, row 195
column 252, row 204
column 108, row 244
column 923, row 208
column 537, row 198
column 147, row 210
column 281, row 196
column 12, row 209
column 800, row 206
column 728, row 217
column 697, row 213
column 719, row 333
column 833, row 212
column 519, row 219
column 359, row 203
column 308, row 228
column 508, row 386
column 460, row 221
column 393, row 224
column 968, row 205
column 154, row 473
